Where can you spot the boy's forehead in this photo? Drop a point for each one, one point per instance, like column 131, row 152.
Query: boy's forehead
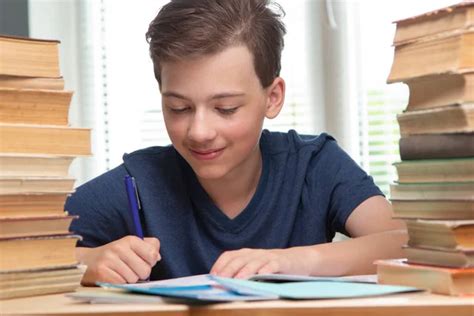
column 231, row 55
column 230, row 69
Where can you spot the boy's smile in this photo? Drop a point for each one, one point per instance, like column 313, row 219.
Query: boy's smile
column 214, row 107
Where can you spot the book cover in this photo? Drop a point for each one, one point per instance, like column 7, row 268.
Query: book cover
column 37, row 252
column 34, row 165
column 28, row 106
column 435, row 170
column 438, row 257
column 440, row 22
column 434, row 209
column 452, row 54
column 42, row 139
column 455, row 145
column 441, row 234
column 20, row 56
column 28, row 185
column 432, row 191
column 439, row 280
column 17, row 82
column 14, row 227
column 40, row 281
column 440, row 90
column 40, row 204
column 457, row 118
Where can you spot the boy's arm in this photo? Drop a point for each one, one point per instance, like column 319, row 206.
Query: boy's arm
column 376, row 236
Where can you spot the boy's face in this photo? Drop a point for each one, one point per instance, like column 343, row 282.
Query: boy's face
column 214, row 107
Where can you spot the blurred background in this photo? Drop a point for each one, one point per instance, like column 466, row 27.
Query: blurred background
column 336, row 59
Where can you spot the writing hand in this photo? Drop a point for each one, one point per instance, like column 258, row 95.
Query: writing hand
column 126, row 260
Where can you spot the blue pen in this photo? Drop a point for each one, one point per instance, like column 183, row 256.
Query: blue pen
column 134, row 204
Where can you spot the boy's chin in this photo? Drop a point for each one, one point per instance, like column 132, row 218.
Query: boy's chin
column 210, row 173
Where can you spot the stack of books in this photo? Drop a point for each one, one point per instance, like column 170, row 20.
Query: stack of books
column 434, row 56
column 36, row 150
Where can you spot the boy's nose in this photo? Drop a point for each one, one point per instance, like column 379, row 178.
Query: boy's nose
column 201, row 128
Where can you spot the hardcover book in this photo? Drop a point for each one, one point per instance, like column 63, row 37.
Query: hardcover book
column 20, row 56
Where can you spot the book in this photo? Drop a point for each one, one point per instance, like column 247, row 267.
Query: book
column 432, row 191
column 39, row 139
column 40, row 281
column 208, row 288
column 113, row 296
column 37, row 252
column 35, row 226
column 24, row 185
column 452, row 54
column 280, row 277
column 441, row 234
column 28, row 106
column 450, row 119
column 436, row 257
column 436, row 170
column 437, row 279
column 17, row 82
column 433, row 209
column 37, row 205
column 441, row 22
column 456, row 145
column 20, row 56
column 34, row 165
column 440, row 90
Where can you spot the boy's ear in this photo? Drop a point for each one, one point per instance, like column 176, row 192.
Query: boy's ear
column 275, row 97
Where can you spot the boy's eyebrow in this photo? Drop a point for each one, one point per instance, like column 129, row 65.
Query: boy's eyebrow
column 214, row 97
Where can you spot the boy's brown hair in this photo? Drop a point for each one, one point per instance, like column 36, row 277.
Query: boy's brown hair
column 192, row 28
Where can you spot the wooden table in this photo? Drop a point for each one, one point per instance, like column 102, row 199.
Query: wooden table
column 419, row 304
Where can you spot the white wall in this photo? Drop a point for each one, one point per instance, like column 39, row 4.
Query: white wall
column 64, row 20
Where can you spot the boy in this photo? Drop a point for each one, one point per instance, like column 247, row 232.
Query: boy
column 227, row 198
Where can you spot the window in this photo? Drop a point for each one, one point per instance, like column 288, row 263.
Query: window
column 335, row 76
column 380, row 133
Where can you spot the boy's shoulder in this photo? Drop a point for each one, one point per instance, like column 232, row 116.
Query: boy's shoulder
column 161, row 155
column 157, row 161
column 154, row 152
column 292, row 142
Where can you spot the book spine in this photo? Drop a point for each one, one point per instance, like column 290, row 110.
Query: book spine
column 428, row 146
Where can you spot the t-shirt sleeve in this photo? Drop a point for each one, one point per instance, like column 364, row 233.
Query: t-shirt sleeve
column 99, row 204
column 347, row 185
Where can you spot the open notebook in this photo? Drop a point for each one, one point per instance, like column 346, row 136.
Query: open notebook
column 208, row 288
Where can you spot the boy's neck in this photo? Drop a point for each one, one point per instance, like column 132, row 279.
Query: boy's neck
column 234, row 192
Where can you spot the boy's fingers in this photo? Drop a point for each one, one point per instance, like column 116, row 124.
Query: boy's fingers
column 222, row 261
column 269, row 268
column 139, row 266
column 146, row 250
column 123, row 270
column 113, row 277
column 154, row 242
column 250, row 268
column 231, row 268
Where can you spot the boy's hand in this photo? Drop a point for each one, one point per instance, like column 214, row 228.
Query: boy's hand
column 246, row 262
column 126, row 260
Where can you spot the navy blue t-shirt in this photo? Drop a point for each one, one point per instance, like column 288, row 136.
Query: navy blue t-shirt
column 308, row 188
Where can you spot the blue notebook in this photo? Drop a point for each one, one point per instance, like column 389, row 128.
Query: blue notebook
column 207, row 288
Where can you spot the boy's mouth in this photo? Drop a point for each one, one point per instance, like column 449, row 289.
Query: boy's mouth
column 207, row 154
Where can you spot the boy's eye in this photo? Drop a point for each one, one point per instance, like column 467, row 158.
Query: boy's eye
column 179, row 109
column 227, row 111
